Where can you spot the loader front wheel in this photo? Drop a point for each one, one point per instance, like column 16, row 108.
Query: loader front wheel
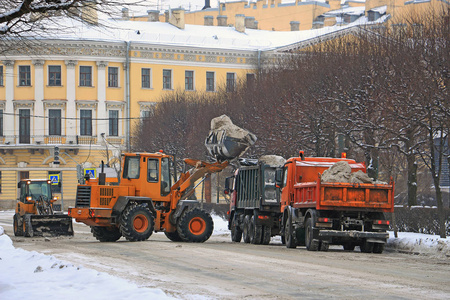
column 195, row 226
column 106, row 234
column 27, row 226
column 137, row 223
column 18, row 226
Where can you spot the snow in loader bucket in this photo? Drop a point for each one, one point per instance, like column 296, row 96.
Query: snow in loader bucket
column 227, row 141
column 51, row 225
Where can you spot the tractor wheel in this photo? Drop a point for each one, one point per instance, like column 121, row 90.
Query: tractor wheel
column 267, row 233
column 173, row 236
column 27, row 227
column 378, row 248
column 195, row 226
column 255, row 232
column 106, row 234
column 289, row 234
column 137, row 223
column 366, row 247
column 236, row 232
column 311, row 244
column 246, row 232
column 18, row 226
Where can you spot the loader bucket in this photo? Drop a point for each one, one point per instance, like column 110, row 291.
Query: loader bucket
column 51, row 225
column 227, row 141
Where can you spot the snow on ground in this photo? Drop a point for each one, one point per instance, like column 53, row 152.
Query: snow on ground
column 29, row 274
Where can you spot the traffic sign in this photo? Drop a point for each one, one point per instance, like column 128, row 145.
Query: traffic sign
column 92, row 172
column 54, row 178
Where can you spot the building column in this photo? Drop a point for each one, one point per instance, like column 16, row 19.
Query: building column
column 102, row 124
column 9, row 106
column 71, row 109
column 39, row 122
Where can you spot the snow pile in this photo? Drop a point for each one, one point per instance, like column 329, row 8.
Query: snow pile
column 342, row 172
column 419, row 243
column 272, row 160
column 224, row 123
column 220, row 225
column 32, row 275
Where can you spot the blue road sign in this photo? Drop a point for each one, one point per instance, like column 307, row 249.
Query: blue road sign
column 54, row 178
column 91, row 172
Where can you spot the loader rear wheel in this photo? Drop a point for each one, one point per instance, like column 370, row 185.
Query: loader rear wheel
column 27, row 227
column 106, row 234
column 173, row 236
column 246, row 232
column 311, row 244
column 18, row 226
column 195, row 226
column 137, row 223
column 267, row 233
column 255, row 231
column 236, row 232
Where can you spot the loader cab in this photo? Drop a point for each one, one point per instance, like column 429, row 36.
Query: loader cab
column 31, row 190
column 150, row 173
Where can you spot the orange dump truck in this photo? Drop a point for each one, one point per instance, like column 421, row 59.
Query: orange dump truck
column 306, row 211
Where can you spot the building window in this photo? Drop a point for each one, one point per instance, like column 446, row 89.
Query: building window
column 24, row 126
column 54, row 75
column 54, row 122
column 85, row 76
column 113, row 77
column 24, row 76
column 1, row 122
column 0, row 182
column 189, row 80
column 86, row 122
column 145, row 78
column 1, row 75
column 210, row 81
column 145, row 114
column 113, row 122
column 231, row 82
column 251, row 78
column 167, row 79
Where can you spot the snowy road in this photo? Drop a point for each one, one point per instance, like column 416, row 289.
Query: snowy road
column 219, row 269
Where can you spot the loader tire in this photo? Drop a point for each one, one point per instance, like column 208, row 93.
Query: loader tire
column 236, row 232
column 311, row 244
column 137, row 223
column 173, row 236
column 246, row 232
column 267, row 233
column 106, row 234
column 195, row 226
column 27, row 227
column 18, row 226
column 255, row 232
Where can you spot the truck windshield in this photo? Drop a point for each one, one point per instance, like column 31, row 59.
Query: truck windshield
column 131, row 167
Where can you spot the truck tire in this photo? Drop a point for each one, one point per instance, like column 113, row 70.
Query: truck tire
column 311, row 244
column 246, row 232
column 236, row 232
column 378, row 248
column 27, row 227
column 267, row 233
column 18, row 226
column 173, row 236
column 349, row 246
column 255, row 232
column 289, row 234
column 366, row 247
column 324, row 246
column 195, row 226
column 106, row 234
column 137, row 223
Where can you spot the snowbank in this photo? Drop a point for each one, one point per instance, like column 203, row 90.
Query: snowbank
column 419, row 243
column 32, row 275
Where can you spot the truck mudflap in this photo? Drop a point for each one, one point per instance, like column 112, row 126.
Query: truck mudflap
column 326, row 234
column 51, row 225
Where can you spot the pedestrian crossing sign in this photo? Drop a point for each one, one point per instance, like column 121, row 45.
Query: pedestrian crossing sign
column 54, row 179
column 91, row 172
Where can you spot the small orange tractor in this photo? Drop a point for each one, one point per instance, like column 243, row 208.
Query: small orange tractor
column 35, row 215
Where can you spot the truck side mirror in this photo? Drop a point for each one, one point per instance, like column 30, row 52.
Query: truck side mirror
column 279, row 177
column 228, row 185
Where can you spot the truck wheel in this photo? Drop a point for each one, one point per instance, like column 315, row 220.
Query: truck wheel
column 349, row 246
column 267, row 233
column 255, row 232
column 289, row 234
column 173, row 236
column 311, row 244
column 246, row 232
column 106, row 234
column 378, row 248
column 18, row 226
column 366, row 247
column 236, row 232
column 137, row 223
column 195, row 226
column 324, row 246
column 27, row 227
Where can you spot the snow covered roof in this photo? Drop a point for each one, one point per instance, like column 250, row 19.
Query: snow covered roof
column 357, row 11
column 380, row 9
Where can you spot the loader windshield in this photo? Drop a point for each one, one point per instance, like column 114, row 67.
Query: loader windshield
column 36, row 189
column 131, row 167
